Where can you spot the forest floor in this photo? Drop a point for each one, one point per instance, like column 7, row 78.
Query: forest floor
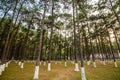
column 59, row 72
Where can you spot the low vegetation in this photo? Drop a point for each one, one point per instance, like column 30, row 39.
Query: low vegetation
column 59, row 72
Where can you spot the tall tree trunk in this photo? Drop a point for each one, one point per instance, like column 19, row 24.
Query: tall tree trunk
column 13, row 33
column 92, row 49
column 36, row 73
column 25, row 45
column 116, row 40
column 74, row 31
column 9, row 33
column 86, row 46
column 51, row 38
column 14, row 39
column 81, row 54
column 111, row 47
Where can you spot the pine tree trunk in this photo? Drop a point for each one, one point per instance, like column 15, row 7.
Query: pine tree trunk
column 9, row 33
column 36, row 73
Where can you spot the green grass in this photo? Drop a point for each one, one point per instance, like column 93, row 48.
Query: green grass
column 59, row 72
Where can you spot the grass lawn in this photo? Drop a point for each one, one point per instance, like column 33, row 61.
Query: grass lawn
column 59, row 72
